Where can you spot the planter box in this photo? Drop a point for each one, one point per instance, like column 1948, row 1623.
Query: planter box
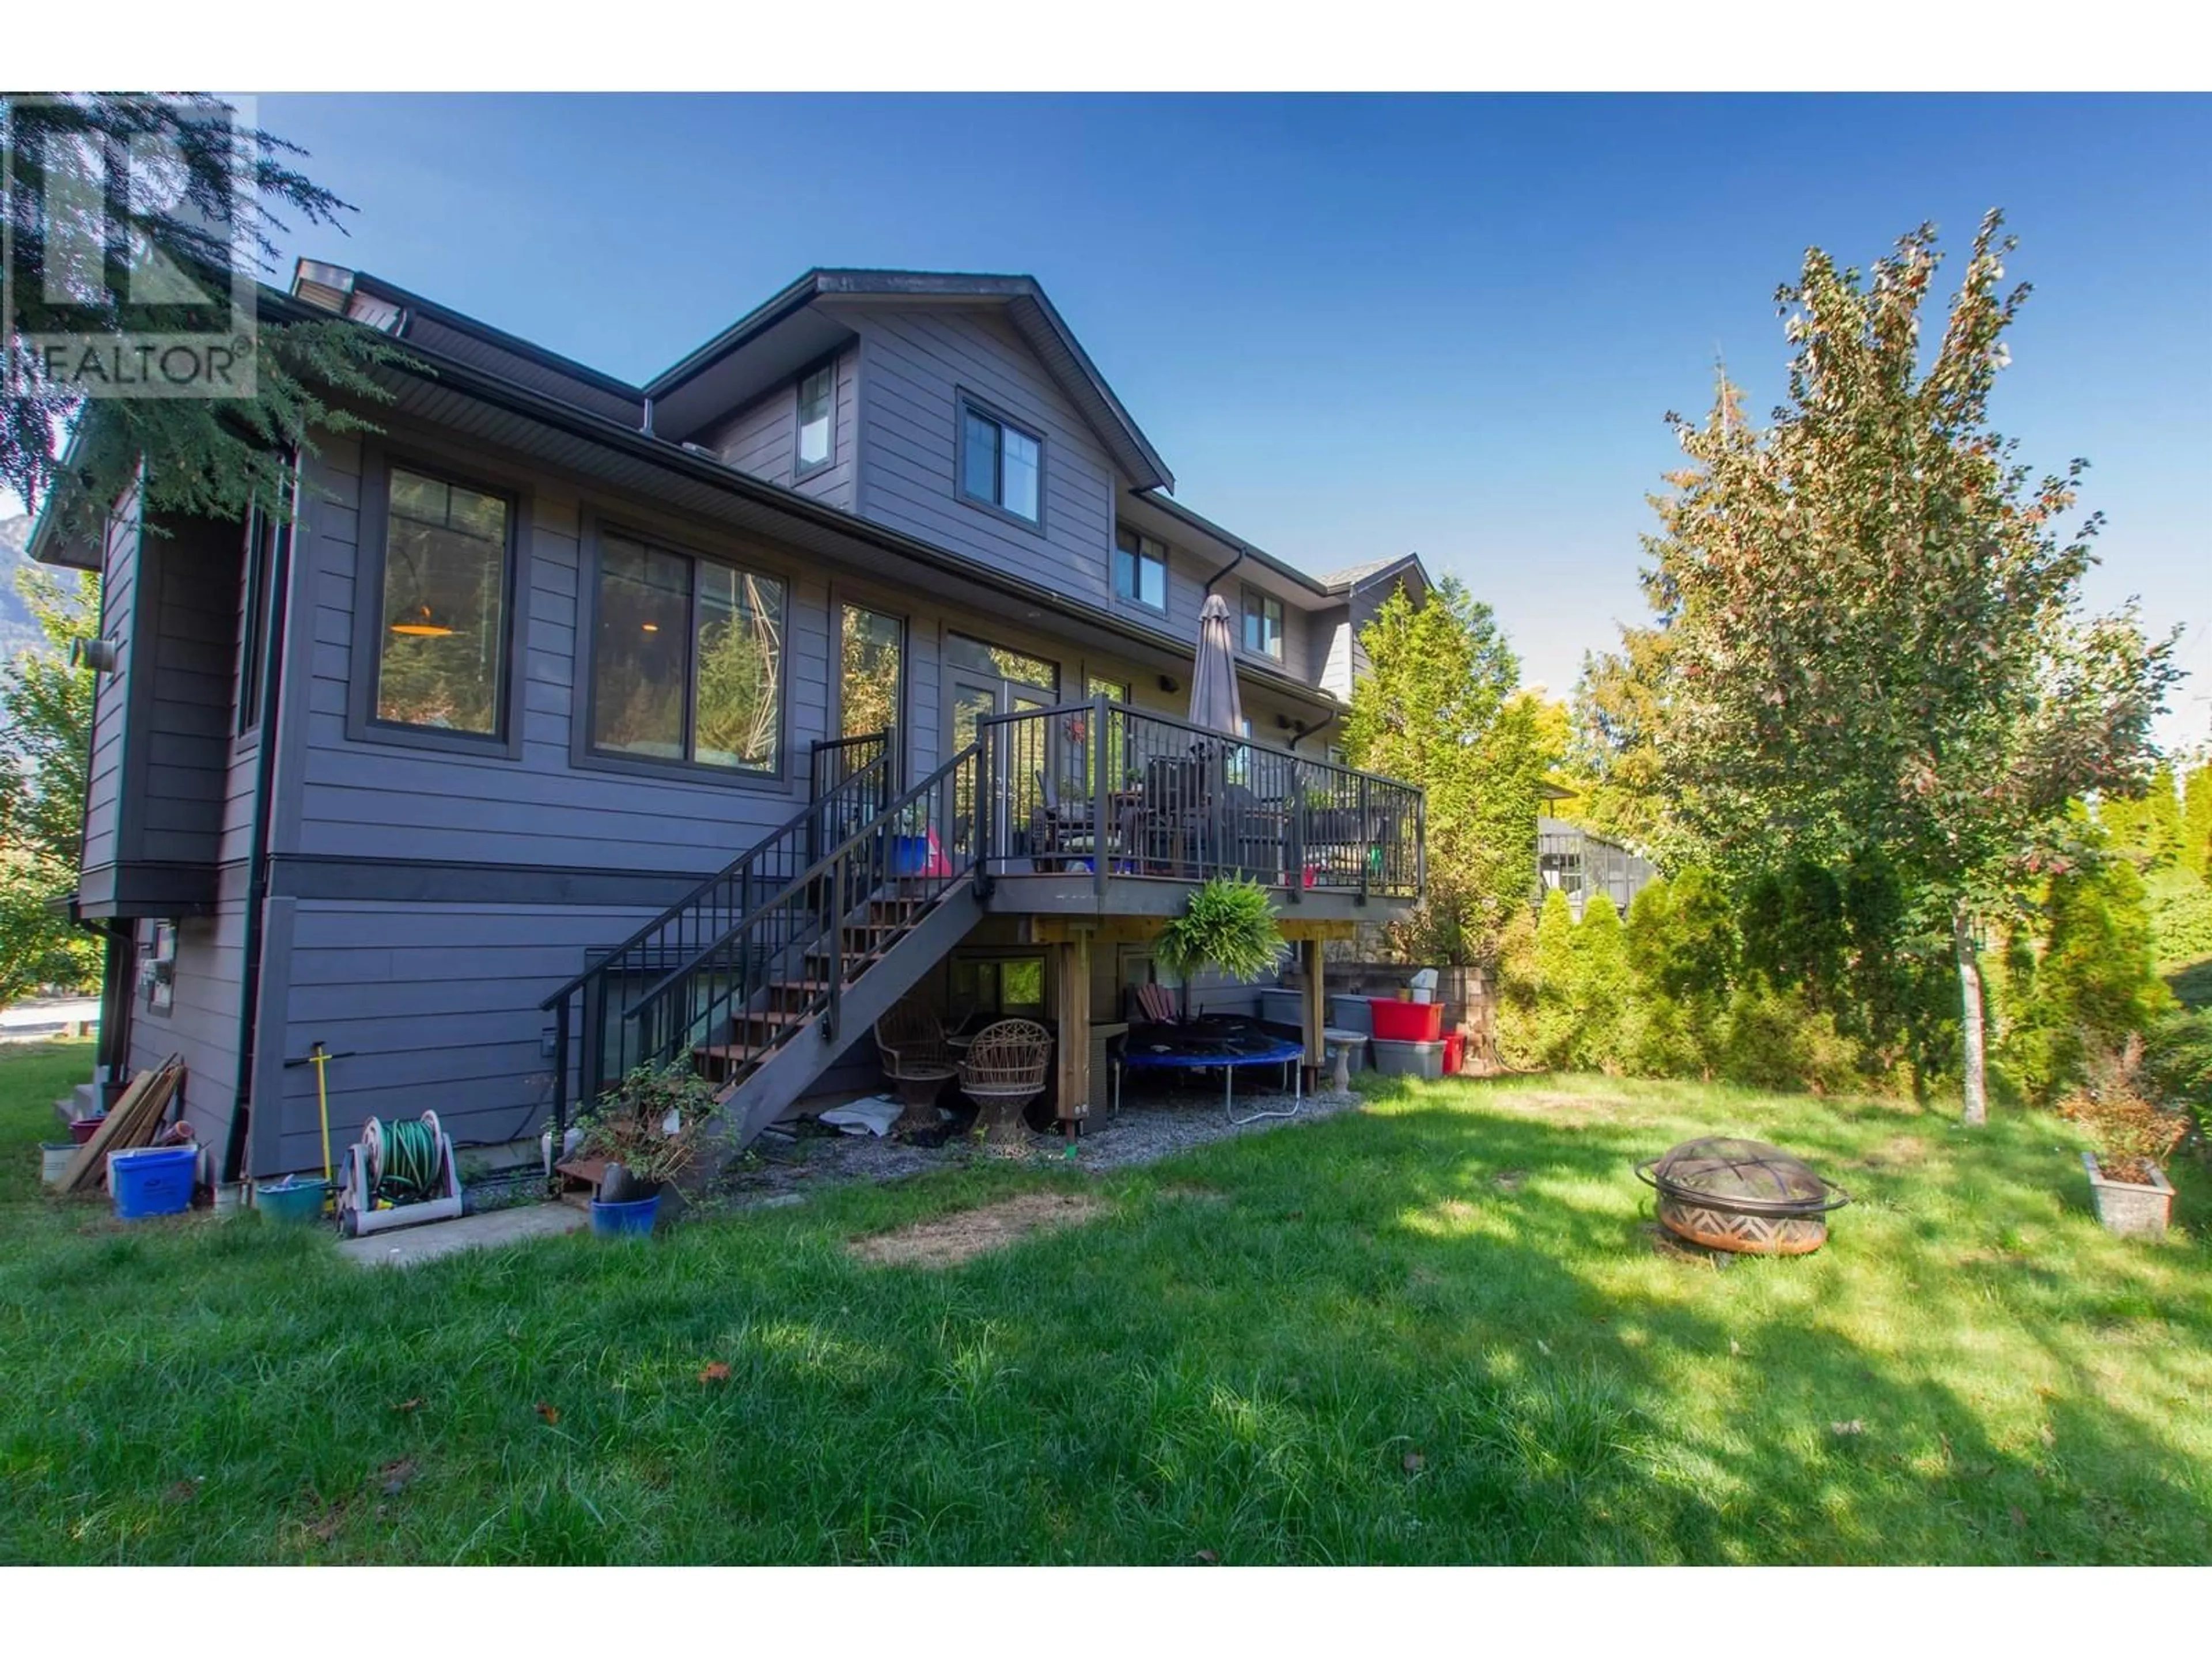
column 2131, row 1209
column 1422, row 1060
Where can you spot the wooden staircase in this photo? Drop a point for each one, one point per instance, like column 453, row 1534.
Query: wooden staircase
column 767, row 973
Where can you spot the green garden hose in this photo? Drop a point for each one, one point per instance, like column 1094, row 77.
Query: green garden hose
column 407, row 1160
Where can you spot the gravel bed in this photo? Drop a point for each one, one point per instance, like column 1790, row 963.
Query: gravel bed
column 1149, row 1126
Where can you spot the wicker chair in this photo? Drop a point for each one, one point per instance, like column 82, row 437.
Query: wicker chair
column 1005, row 1071
column 912, row 1044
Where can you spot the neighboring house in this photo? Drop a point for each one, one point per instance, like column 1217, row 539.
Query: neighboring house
column 1578, row 864
column 569, row 724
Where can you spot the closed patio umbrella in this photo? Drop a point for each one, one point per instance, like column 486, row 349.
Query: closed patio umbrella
column 1214, row 703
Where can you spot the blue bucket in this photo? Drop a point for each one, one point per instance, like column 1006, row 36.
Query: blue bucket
column 619, row 1220
column 150, row 1181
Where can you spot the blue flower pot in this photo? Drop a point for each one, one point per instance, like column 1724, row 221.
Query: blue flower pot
column 635, row 1219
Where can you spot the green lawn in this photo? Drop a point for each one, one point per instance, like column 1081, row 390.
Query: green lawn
column 1435, row 1331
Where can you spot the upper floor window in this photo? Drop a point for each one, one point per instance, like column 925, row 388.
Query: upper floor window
column 1001, row 465
column 442, row 638
column 1263, row 624
column 1141, row 570
column 687, row 660
column 817, row 402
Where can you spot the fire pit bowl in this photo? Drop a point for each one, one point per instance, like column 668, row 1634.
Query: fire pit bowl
column 1731, row 1194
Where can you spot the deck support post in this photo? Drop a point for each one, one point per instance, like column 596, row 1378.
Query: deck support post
column 1310, row 1004
column 1071, row 1041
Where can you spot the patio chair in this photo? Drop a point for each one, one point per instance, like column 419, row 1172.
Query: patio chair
column 1004, row 1073
column 1156, row 1004
column 911, row 1043
column 1062, row 831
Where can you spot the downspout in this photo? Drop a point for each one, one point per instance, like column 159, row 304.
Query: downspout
column 1305, row 731
column 257, row 857
column 1208, row 588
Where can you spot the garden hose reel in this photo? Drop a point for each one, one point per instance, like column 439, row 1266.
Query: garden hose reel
column 401, row 1174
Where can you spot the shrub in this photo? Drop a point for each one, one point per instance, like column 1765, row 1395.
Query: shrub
column 2178, row 1057
column 2133, row 1134
column 1776, row 1039
column 654, row 1123
column 2092, row 985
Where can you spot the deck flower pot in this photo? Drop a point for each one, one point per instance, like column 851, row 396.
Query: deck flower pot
column 2131, row 1209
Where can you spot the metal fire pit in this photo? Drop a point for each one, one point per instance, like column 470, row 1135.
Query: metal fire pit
column 1731, row 1194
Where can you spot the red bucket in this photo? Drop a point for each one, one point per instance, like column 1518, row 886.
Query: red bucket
column 1455, row 1053
column 1406, row 1021
column 82, row 1129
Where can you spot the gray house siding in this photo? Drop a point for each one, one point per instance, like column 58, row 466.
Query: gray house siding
column 436, row 1007
column 111, row 691
column 161, row 718
column 187, row 597
column 436, row 1002
column 201, row 1024
column 915, row 364
column 762, row 438
column 360, row 799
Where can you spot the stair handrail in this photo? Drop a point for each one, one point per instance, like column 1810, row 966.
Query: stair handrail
column 799, row 884
column 806, row 918
column 859, row 775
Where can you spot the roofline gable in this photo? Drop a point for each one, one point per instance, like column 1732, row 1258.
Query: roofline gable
column 1031, row 312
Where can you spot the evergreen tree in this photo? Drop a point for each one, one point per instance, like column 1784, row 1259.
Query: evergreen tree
column 1440, row 707
column 2196, row 819
column 1602, row 986
column 1553, row 1034
column 216, row 457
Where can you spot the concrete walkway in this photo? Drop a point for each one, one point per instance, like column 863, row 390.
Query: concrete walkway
column 403, row 1246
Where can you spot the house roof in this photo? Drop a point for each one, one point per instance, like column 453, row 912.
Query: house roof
column 1232, row 540
column 775, row 338
column 458, row 391
column 1354, row 577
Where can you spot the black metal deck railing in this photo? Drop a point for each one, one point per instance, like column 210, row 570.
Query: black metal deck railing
column 1102, row 788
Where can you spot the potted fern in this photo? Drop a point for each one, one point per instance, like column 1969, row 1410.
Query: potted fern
column 2133, row 1137
column 1228, row 925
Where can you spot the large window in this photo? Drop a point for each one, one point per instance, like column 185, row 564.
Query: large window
column 687, row 660
column 1001, row 661
column 1263, row 623
column 817, row 402
column 1001, row 465
column 1141, row 570
column 868, row 675
column 441, row 657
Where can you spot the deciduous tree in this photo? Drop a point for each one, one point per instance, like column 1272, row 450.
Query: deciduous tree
column 1873, row 611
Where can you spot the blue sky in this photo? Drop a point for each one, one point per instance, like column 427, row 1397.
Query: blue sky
column 1355, row 326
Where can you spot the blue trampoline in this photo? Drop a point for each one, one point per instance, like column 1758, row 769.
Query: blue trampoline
column 1165, row 1048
